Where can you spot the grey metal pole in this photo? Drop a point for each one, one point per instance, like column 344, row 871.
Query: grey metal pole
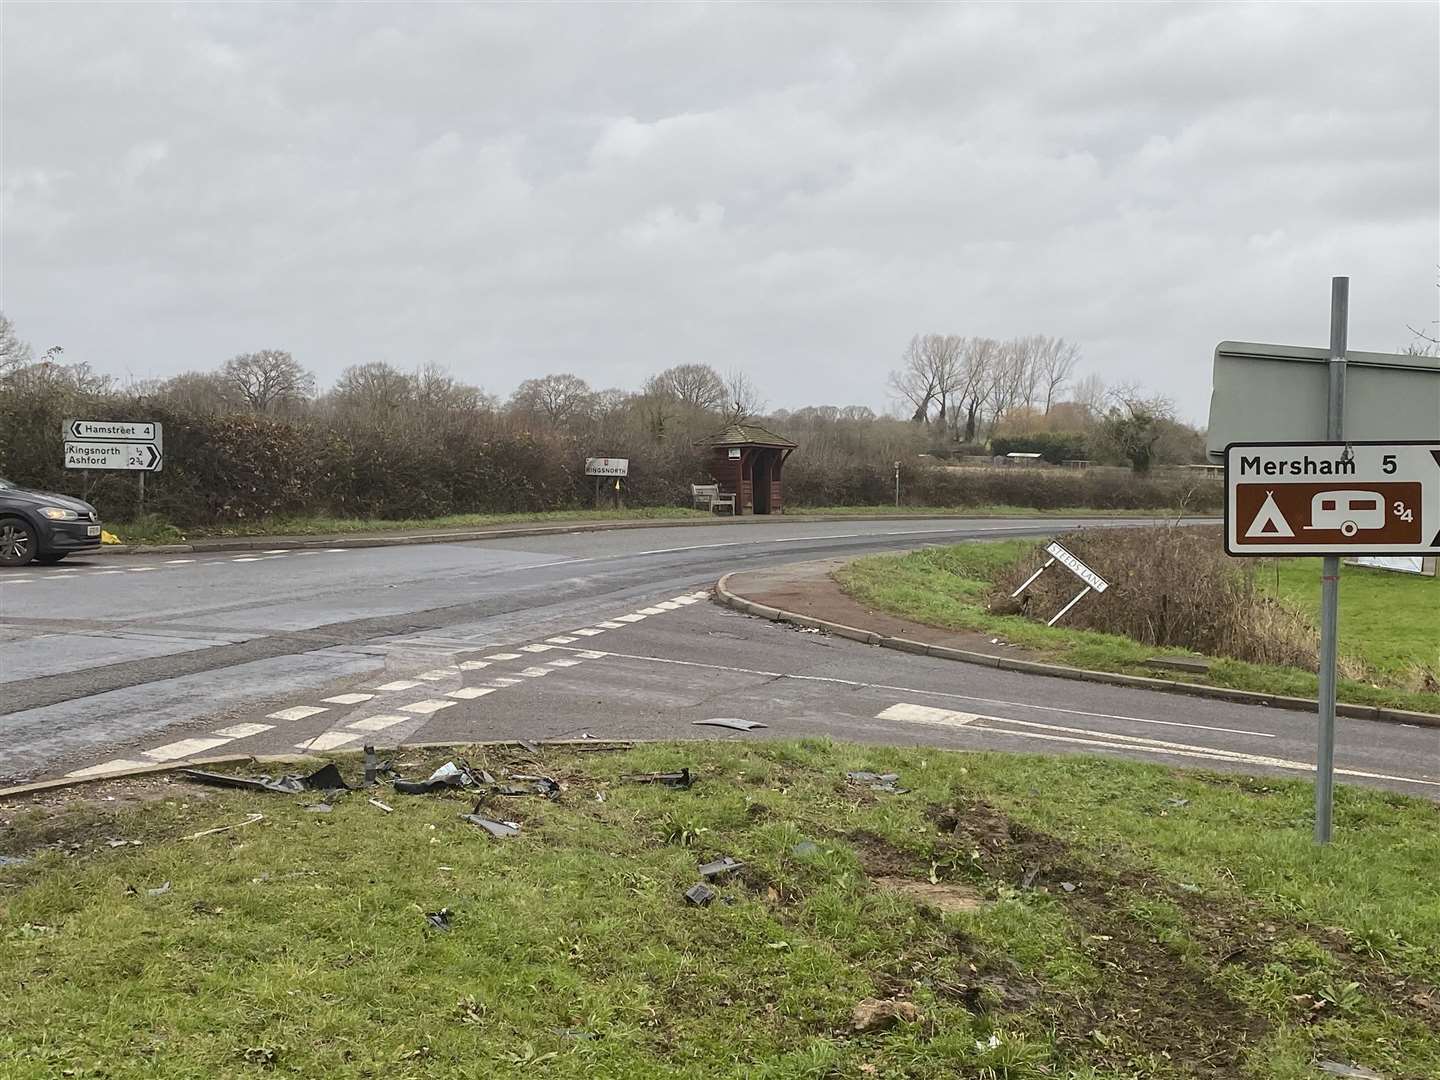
column 1330, row 575
column 897, row 485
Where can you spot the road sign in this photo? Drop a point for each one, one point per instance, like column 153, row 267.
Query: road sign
column 1332, row 498
column 1282, row 392
column 109, row 431
column 607, row 466
column 129, row 456
column 1078, row 568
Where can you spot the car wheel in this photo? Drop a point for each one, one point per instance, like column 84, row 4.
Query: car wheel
column 17, row 542
column 51, row 559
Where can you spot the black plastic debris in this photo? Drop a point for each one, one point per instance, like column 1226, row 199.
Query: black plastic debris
column 732, row 722
column 448, row 775
column 700, row 894
column 501, row 830
column 680, row 780
column 530, row 785
column 326, row 778
column 370, row 766
column 440, row 920
column 720, row 867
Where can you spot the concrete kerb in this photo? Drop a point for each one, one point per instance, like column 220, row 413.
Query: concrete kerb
column 1061, row 671
column 40, row 787
column 263, row 543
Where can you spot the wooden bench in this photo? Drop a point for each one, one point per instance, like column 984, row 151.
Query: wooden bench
column 709, row 497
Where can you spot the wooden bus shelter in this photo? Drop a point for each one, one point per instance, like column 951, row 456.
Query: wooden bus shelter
column 748, row 461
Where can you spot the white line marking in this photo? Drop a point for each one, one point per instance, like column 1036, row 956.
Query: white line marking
column 651, row 611
column 609, row 625
column 437, row 674
column 667, row 605
column 299, row 712
column 328, row 740
column 535, row 672
column 587, row 632
column 698, row 547
column 501, row 681
column 307, row 553
column 118, row 765
column 379, row 722
column 140, row 569
column 278, row 551
column 244, row 731
column 178, row 562
column 686, row 601
column 398, row 684
column 590, row 654
column 425, row 708
column 560, row 639
column 703, row 594
column 247, row 558
column 926, row 714
column 564, row 663
column 503, row 656
column 630, row 618
column 182, row 749
column 102, row 573
column 348, row 699
column 334, row 551
column 473, row 665
column 470, row 693
column 536, row 648
column 20, row 580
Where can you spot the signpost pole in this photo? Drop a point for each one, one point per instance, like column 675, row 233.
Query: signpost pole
column 897, row 485
column 1330, row 575
column 140, row 510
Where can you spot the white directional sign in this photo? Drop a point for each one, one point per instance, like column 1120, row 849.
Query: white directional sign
column 1078, row 568
column 110, row 431
column 607, row 466
column 1332, row 498
column 130, row 446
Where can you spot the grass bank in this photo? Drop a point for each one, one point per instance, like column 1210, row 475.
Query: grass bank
column 156, row 530
column 1387, row 619
column 1149, row 923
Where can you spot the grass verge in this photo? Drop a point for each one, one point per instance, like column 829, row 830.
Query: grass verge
column 156, row 530
column 948, row 587
column 1149, row 923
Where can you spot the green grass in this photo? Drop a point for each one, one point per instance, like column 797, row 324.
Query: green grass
column 948, row 587
column 1204, row 924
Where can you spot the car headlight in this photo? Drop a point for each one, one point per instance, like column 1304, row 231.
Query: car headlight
column 56, row 513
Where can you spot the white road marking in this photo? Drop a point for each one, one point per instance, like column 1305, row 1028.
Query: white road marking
column 139, row 569
column 299, row 712
column 348, row 699
column 398, row 684
column 244, row 731
column 503, row 656
column 703, row 594
column 587, row 632
column 651, row 611
column 590, row 654
column 426, row 707
column 698, row 547
column 379, row 722
column 535, row 672
column 18, row 581
column 247, row 558
column 563, row 663
column 308, row 553
column 630, row 618
column 106, row 767
column 560, row 639
column 437, row 674
column 926, row 714
column 473, row 665
column 183, row 749
column 102, row 573
column 609, row 625
column 667, row 605
column 686, row 601
column 470, row 693
column 335, row 551
column 501, row 681
column 536, row 648
column 178, row 562
column 278, row 551
column 328, row 740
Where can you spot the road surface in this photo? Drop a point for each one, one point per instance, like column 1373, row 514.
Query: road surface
column 132, row 660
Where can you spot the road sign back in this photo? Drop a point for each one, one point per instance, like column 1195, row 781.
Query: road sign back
column 1332, row 498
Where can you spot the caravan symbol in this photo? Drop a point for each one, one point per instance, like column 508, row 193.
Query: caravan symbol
column 1348, row 511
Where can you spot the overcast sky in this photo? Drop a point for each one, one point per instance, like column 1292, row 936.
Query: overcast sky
column 792, row 190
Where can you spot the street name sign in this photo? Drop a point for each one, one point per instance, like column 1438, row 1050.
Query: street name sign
column 607, row 466
column 1078, row 568
column 1332, row 498
column 129, row 446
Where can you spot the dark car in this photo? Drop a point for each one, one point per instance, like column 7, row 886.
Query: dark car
column 43, row 526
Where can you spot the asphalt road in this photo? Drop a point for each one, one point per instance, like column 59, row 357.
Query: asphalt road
column 126, row 660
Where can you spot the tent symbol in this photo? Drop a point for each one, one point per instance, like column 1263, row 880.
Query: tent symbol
column 1269, row 521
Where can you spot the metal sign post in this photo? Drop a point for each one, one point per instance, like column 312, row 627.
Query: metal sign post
column 897, row 485
column 1092, row 580
column 1330, row 575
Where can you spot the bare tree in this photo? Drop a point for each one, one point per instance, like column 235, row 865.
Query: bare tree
column 14, row 353
column 977, row 370
column 1010, row 380
column 742, row 396
column 1055, row 360
column 862, row 414
column 697, row 385
column 559, row 399
column 204, row 392
column 269, row 380
column 914, row 382
column 375, row 389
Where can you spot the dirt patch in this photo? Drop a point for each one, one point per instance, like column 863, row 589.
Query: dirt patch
column 947, row 896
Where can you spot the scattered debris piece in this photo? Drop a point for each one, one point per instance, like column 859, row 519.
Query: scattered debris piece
column 886, row 782
column 805, row 848
column 1339, row 1068
column 732, row 722
column 720, row 867
column 225, row 828
column 681, row 779
column 1068, row 886
column 700, row 894
column 381, row 806
column 13, row 860
column 573, row 1033
column 873, row 1014
column 1028, row 878
column 326, row 778
column 945, row 895
column 534, row 785
column 124, row 843
column 1177, row 802
column 529, row 747
column 261, row 1055
column 440, row 920
column 370, row 766
column 448, row 775
column 159, row 890
column 319, row 808
column 498, row 829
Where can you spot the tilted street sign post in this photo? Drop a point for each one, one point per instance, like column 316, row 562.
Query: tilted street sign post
column 1063, row 556
column 1332, row 498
